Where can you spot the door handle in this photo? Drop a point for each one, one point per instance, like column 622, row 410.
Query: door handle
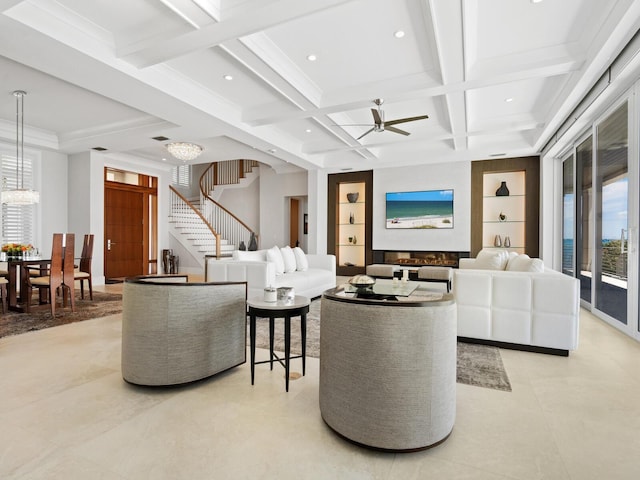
column 109, row 243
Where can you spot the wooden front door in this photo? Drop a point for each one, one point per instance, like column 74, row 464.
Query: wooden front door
column 124, row 233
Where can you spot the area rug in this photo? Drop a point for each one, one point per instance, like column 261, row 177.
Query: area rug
column 103, row 304
column 478, row 365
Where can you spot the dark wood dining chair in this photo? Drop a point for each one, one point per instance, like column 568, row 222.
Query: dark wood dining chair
column 3, row 293
column 84, row 271
column 68, row 271
column 55, row 279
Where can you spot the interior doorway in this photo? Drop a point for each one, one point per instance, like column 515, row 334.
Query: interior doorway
column 130, row 224
column 298, row 222
column 294, row 222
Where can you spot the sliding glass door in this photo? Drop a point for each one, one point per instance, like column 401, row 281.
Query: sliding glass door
column 599, row 194
column 584, row 217
column 612, row 201
column 568, row 217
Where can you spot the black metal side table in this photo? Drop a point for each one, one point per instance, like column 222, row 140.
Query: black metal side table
column 299, row 306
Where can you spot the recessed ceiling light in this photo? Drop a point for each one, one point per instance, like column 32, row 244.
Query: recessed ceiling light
column 536, row 1
column 508, row 100
column 228, row 77
column 308, row 130
column 164, row 159
column 311, row 57
column 399, row 34
column 272, row 150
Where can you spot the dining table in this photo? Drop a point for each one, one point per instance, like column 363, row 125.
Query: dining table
column 18, row 270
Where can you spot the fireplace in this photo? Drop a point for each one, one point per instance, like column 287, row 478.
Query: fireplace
column 419, row 258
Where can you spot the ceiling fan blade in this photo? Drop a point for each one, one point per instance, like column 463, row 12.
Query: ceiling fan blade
column 404, row 120
column 352, row 125
column 376, row 116
column 365, row 133
column 396, row 130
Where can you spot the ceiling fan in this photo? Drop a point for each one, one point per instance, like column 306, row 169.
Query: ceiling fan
column 380, row 125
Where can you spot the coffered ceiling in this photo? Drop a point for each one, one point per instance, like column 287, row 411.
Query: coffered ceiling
column 495, row 77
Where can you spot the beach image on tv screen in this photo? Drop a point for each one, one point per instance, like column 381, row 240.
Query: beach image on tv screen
column 427, row 209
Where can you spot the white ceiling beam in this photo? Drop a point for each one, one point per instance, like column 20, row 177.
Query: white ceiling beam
column 618, row 29
column 449, row 31
column 180, row 13
column 7, row 4
column 265, row 115
column 151, row 52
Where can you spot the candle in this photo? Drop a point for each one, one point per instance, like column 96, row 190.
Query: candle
column 270, row 294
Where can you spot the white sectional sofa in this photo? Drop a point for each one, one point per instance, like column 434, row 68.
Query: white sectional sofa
column 514, row 302
column 309, row 275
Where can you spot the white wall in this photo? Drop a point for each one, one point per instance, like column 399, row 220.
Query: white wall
column 245, row 202
column 275, row 191
column 317, row 210
column 453, row 175
column 79, row 198
column 52, row 213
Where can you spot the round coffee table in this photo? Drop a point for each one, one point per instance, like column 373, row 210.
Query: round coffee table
column 299, row 306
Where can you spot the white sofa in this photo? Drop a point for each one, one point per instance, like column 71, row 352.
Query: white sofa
column 514, row 302
column 311, row 274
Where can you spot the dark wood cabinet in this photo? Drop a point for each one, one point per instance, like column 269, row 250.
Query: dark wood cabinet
column 349, row 217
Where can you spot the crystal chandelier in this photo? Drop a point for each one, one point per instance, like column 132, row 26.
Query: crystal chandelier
column 183, row 150
column 20, row 195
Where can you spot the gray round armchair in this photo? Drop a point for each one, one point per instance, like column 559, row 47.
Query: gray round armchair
column 176, row 332
column 388, row 370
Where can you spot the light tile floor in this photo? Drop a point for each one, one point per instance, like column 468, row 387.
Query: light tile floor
column 65, row 413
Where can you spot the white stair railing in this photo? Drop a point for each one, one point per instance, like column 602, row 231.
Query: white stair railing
column 222, row 220
column 183, row 211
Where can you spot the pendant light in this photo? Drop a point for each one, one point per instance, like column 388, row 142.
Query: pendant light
column 20, row 195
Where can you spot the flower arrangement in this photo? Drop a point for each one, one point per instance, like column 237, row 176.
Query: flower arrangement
column 16, row 248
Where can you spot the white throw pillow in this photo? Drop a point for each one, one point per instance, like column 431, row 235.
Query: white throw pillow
column 523, row 263
column 512, row 255
column 274, row 255
column 250, row 256
column 289, row 259
column 302, row 264
column 491, row 259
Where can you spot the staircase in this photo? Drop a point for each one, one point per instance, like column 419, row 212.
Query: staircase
column 206, row 227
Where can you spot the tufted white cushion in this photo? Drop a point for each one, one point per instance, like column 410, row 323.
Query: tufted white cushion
column 524, row 263
column 289, row 259
column 491, row 259
column 275, row 255
column 302, row 264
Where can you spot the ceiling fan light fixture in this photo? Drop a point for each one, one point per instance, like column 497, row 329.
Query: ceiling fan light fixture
column 184, row 151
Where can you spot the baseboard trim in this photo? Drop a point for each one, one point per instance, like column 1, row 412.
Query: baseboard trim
column 516, row 346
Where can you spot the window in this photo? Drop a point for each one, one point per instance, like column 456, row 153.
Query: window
column 17, row 220
column 181, row 175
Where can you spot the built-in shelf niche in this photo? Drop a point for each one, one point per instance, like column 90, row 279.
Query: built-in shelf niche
column 504, row 216
column 529, row 194
column 349, row 222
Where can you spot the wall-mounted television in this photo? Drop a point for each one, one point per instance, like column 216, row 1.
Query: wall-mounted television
column 423, row 209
